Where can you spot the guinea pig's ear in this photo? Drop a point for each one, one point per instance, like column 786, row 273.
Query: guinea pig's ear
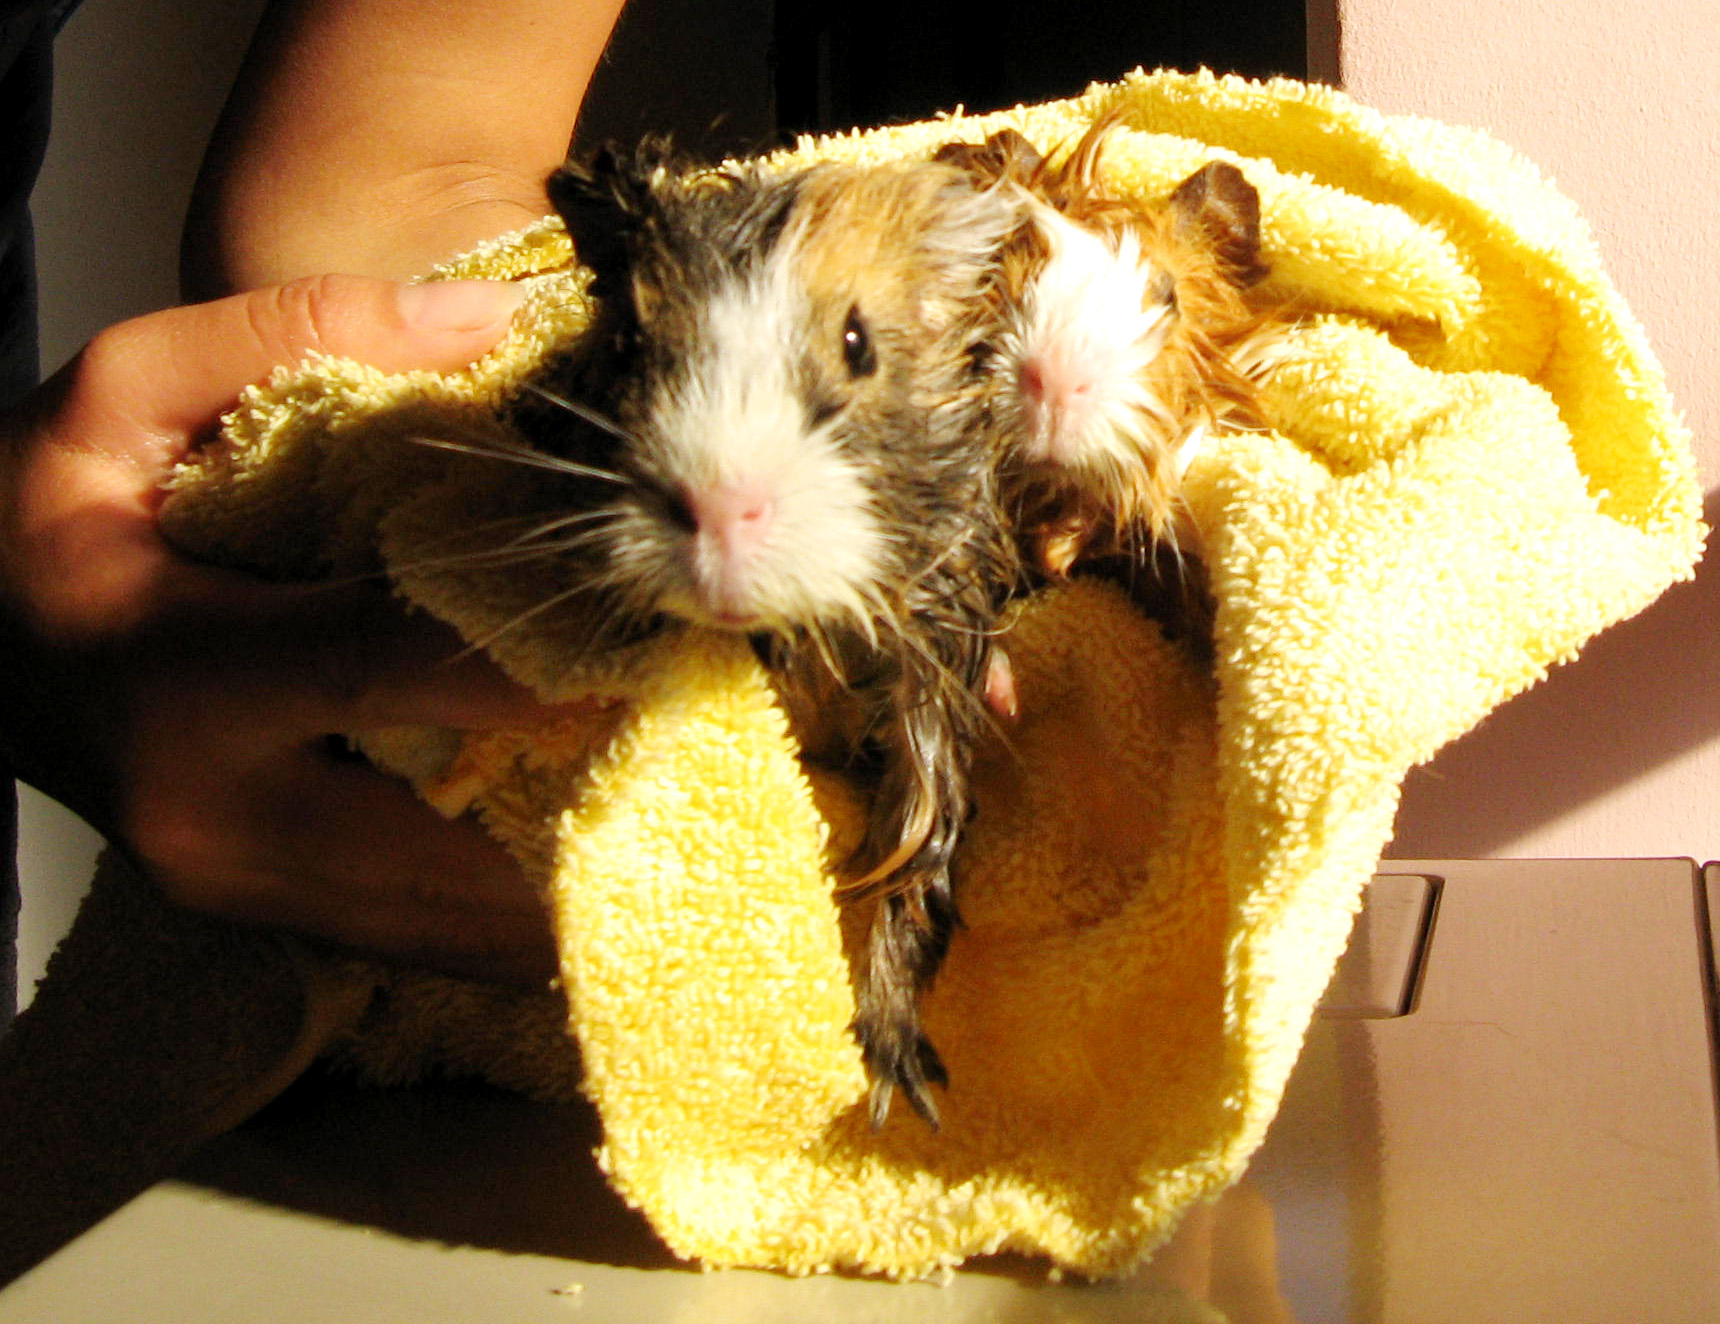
column 1219, row 209
column 967, row 229
column 1004, row 155
column 1021, row 157
column 597, row 205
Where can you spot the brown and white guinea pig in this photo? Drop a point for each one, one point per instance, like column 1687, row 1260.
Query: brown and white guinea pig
column 1122, row 332
column 770, row 428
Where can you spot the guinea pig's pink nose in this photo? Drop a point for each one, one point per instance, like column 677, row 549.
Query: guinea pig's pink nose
column 1051, row 378
column 735, row 516
column 1057, row 398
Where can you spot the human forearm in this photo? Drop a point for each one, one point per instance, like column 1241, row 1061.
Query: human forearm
column 381, row 136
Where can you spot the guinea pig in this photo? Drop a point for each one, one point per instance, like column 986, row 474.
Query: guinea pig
column 771, row 427
column 1122, row 332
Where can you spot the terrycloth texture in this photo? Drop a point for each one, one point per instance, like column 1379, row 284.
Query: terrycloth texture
column 1473, row 467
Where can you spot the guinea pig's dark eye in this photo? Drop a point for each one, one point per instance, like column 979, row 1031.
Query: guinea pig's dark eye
column 857, row 350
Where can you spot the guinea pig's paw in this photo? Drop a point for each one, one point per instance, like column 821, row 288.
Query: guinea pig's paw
column 899, row 1056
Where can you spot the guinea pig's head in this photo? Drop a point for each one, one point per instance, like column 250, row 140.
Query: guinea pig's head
column 1115, row 334
column 784, row 358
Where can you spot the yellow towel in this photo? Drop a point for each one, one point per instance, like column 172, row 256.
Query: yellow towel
column 1473, row 467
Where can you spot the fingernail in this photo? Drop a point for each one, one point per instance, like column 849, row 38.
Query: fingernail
column 460, row 305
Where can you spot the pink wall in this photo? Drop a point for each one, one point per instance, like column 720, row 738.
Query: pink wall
column 1617, row 754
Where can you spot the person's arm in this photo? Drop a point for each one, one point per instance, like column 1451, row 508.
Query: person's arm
column 181, row 708
column 382, row 136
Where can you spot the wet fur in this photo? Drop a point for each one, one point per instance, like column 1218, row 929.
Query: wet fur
column 1107, row 500
column 882, row 662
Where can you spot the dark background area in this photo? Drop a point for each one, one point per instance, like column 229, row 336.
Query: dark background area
column 751, row 74
column 897, row 60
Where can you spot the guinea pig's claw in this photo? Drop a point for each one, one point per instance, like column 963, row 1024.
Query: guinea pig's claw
column 909, row 1063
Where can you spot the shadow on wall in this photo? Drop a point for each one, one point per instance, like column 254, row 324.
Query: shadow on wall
column 1640, row 695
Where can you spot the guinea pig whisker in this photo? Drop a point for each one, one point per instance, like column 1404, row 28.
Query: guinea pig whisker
column 516, row 453
column 585, row 413
column 531, row 613
column 535, row 543
column 481, row 557
column 542, row 531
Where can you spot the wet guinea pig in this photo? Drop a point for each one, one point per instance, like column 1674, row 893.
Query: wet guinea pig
column 1121, row 333
column 772, row 429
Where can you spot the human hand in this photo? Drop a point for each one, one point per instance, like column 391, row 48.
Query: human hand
column 182, row 709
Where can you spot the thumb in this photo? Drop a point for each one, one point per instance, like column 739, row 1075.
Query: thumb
column 176, row 370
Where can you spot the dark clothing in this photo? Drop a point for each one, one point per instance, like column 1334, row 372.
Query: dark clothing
column 26, row 89
column 27, row 32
